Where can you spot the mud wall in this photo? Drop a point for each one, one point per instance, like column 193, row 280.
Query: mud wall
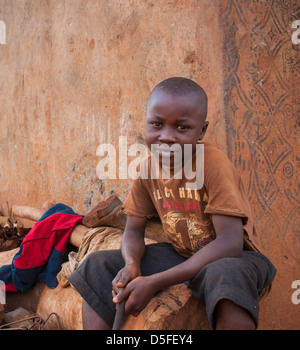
column 262, row 96
column 77, row 74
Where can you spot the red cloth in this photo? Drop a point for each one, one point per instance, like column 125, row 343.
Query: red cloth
column 41, row 253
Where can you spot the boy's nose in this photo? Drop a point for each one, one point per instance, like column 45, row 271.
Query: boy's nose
column 167, row 135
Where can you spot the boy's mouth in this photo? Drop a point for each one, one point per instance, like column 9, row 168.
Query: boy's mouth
column 167, row 153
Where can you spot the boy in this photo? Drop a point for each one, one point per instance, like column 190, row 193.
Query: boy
column 212, row 237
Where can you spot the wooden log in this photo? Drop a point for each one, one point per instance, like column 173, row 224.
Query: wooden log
column 26, row 212
column 66, row 303
column 31, row 213
column 34, row 214
column 172, row 309
column 29, row 299
column 77, row 235
column 106, row 213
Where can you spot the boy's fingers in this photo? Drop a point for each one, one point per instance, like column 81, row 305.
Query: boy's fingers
column 115, row 281
column 121, row 283
column 122, row 295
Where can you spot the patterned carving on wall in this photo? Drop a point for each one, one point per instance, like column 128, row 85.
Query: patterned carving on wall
column 262, row 85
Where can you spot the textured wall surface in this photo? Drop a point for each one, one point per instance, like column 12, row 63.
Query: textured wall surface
column 262, row 93
column 77, row 73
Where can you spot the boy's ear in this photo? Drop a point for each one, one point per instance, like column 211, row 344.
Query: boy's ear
column 203, row 130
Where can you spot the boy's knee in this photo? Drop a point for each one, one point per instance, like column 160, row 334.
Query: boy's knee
column 221, row 267
column 95, row 257
column 223, row 271
column 230, row 316
column 105, row 258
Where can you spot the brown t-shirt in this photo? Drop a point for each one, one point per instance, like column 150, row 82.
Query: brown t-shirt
column 186, row 213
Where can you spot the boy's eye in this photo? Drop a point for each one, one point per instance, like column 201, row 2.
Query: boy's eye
column 182, row 127
column 156, row 124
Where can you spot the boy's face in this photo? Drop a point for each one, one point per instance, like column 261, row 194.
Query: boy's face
column 174, row 120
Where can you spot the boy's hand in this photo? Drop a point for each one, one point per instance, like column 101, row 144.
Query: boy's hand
column 133, row 249
column 138, row 293
column 125, row 275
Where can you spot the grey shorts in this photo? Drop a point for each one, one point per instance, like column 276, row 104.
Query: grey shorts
column 240, row 280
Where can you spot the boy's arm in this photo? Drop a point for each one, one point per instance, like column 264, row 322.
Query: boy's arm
column 133, row 248
column 228, row 243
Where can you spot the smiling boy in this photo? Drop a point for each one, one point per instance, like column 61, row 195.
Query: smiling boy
column 212, row 238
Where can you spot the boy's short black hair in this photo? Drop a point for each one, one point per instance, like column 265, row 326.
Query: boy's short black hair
column 179, row 86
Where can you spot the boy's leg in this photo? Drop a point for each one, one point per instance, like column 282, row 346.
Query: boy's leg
column 230, row 316
column 91, row 320
column 93, row 279
column 230, row 289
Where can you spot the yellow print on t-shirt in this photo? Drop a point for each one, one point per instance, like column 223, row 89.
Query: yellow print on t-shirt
column 185, row 230
column 179, row 193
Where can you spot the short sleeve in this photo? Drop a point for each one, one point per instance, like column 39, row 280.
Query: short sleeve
column 226, row 193
column 138, row 202
column 224, row 188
